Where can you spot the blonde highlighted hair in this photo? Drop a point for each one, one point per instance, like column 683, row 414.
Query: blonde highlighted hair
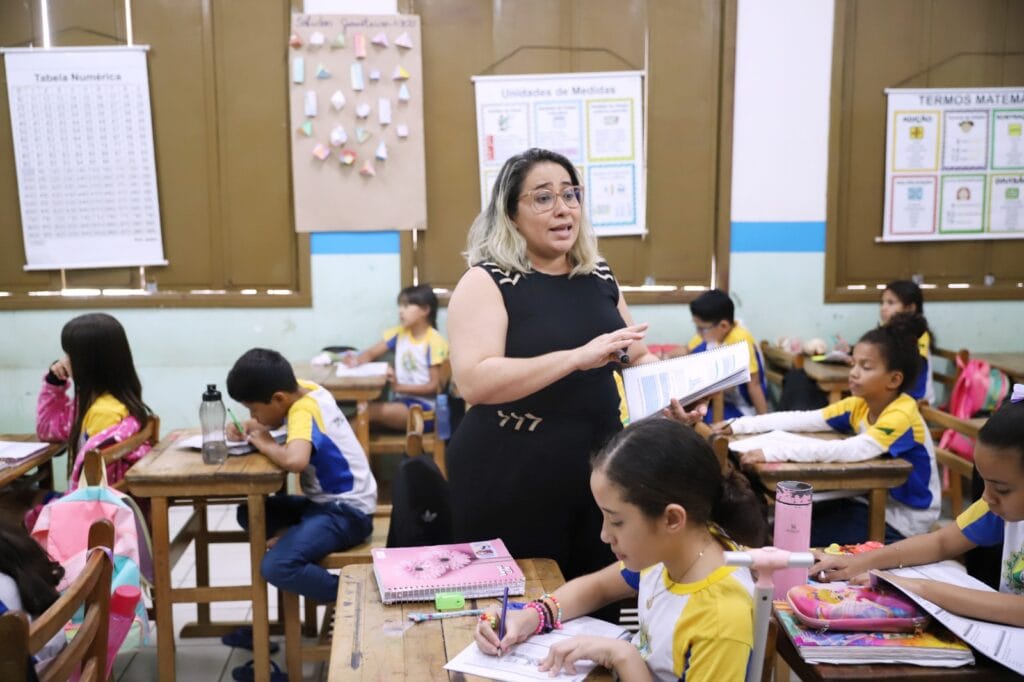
column 493, row 235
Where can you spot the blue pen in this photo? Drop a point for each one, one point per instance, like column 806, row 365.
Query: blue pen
column 504, row 611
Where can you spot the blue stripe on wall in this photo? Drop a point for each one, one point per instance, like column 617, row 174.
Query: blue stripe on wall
column 806, row 236
column 354, row 242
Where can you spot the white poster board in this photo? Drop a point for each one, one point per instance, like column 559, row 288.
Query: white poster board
column 83, row 150
column 954, row 164
column 595, row 119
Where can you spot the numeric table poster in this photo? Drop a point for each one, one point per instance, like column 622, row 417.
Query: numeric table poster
column 954, row 165
column 83, row 152
column 593, row 119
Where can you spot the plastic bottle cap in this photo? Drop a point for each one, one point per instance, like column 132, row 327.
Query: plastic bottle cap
column 124, row 599
column 211, row 392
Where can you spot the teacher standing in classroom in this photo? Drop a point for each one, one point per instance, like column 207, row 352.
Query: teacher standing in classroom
column 536, row 327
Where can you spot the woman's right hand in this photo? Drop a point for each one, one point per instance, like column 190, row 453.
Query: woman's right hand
column 62, row 368
column 519, row 625
column 606, row 348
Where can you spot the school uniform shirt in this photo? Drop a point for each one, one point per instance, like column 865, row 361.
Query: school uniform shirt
column 900, row 431
column 105, row 411
column 924, row 384
column 415, row 357
column 338, row 470
column 982, row 527
column 10, row 600
column 694, row 631
column 737, row 398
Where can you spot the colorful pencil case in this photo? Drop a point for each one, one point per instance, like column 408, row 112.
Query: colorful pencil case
column 855, row 608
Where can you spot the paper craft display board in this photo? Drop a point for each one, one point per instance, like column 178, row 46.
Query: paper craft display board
column 954, row 164
column 356, row 104
column 596, row 120
column 83, row 152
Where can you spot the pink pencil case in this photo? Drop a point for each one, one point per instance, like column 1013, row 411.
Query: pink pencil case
column 855, row 608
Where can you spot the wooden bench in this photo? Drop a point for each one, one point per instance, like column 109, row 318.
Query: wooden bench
column 413, row 442
column 952, row 466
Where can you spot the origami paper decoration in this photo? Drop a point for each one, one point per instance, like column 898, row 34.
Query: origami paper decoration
column 310, row 102
column 322, row 72
column 356, row 72
column 316, row 39
column 347, row 157
column 362, row 135
column 400, row 74
column 321, row 151
column 380, row 40
column 403, row 93
column 402, row 130
column 306, row 128
column 404, row 41
column 367, row 170
column 384, row 111
column 362, row 110
column 359, row 46
column 338, row 42
column 298, row 70
column 382, row 151
column 375, row 74
column 338, row 100
column 295, row 41
column 338, row 136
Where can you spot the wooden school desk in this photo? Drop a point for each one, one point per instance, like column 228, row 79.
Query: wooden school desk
column 359, row 389
column 168, row 475
column 874, row 475
column 1010, row 363
column 832, row 378
column 43, row 460
column 369, row 644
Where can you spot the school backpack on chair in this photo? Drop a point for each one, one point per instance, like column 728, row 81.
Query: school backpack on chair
column 421, row 510
column 979, row 388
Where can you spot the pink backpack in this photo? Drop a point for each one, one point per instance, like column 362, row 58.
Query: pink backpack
column 980, row 387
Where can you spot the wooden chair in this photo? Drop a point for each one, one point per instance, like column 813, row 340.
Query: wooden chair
column 952, row 466
column 397, row 443
column 957, row 360
column 150, row 433
column 88, row 650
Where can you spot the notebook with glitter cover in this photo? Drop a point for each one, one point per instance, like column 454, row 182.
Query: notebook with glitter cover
column 476, row 569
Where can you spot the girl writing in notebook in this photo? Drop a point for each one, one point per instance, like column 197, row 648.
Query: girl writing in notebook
column 419, row 350
column 107, row 403
column 881, row 418
column 995, row 519
column 668, row 515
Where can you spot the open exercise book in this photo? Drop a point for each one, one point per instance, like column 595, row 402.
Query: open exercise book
column 476, row 569
column 235, row 447
column 1004, row 644
column 520, row 663
column 12, row 452
column 650, row 387
column 367, row 369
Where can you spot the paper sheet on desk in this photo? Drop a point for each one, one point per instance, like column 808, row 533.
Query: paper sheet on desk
column 14, row 451
column 235, row 447
column 520, row 664
column 1002, row 643
column 369, row 369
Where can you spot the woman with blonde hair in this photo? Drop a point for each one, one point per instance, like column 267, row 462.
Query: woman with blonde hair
column 537, row 325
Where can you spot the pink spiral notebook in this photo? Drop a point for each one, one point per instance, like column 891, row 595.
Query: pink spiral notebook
column 476, row 569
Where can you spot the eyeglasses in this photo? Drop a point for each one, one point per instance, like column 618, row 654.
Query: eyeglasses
column 702, row 330
column 543, row 200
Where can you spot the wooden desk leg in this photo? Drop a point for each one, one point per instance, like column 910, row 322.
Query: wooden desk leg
column 46, row 469
column 877, row 498
column 363, row 424
column 162, row 576
column 202, row 559
column 260, row 615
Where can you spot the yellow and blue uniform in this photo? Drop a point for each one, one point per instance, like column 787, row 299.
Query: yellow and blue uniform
column 737, row 399
column 104, row 412
column 414, row 358
column 982, row 527
column 924, row 386
column 694, row 631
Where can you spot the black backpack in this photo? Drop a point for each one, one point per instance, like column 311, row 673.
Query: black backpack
column 421, row 510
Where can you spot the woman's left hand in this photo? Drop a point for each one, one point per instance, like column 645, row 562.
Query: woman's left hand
column 563, row 656
column 679, row 413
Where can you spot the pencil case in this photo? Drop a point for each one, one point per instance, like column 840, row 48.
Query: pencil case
column 855, row 608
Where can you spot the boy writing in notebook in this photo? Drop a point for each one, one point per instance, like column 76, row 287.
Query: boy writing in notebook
column 335, row 511
column 714, row 317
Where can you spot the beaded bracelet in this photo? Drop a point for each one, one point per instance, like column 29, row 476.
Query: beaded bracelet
column 540, row 615
column 549, row 615
column 557, row 624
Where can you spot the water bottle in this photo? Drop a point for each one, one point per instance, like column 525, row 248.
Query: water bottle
column 211, row 418
column 442, row 417
column 122, row 616
column 792, row 530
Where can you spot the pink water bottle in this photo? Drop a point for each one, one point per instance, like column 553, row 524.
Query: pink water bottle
column 792, row 530
column 122, row 615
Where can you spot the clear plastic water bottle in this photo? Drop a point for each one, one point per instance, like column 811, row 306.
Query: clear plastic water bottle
column 792, row 530
column 442, row 417
column 211, row 418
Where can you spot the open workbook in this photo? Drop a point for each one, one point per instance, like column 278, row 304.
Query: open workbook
column 650, row 387
column 235, row 447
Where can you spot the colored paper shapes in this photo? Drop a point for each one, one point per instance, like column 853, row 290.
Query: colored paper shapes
column 338, row 136
column 382, row 151
column 306, row 128
column 316, row 39
column 310, row 102
column 321, row 151
column 400, row 74
column 322, row 72
column 362, row 110
column 338, row 42
column 402, row 130
column 362, row 135
column 356, row 73
column 368, row 170
column 374, row 74
column 380, row 40
column 295, row 41
column 404, row 41
column 338, row 100
column 359, row 46
column 384, row 111
column 298, row 70
column 347, row 157
column 403, row 93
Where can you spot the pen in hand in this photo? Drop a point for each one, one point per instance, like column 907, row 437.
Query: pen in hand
column 501, row 623
column 238, row 424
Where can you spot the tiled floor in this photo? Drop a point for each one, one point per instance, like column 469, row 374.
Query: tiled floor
column 203, row 659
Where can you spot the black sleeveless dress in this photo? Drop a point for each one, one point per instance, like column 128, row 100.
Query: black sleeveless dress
column 520, row 471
